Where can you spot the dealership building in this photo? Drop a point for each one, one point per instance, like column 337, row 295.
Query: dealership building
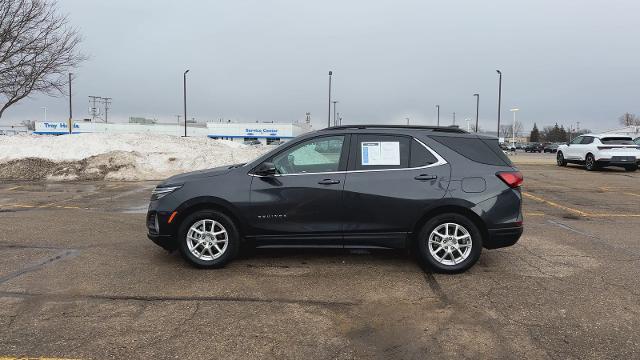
column 266, row 133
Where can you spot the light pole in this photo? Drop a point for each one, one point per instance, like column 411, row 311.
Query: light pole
column 468, row 128
column 70, row 107
column 335, row 118
column 45, row 113
column 499, row 99
column 407, row 121
column 329, row 112
column 438, row 109
column 184, row 84
column 477, row 109
column 454, row 118
column 513, row 130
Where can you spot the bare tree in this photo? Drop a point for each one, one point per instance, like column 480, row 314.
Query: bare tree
column 628, row 119
column 29, row 124
column 506, row 131
column 37, row 50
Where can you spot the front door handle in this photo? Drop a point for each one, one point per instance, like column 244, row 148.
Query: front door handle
column 425, row 177
column 328, row 182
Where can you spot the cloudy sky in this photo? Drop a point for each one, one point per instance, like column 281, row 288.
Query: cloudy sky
column 563, row 61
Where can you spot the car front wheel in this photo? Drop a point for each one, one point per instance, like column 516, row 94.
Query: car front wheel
column 631, row 167
column 208, row 239
column 560, row 159
column 449, row 243
column 590, row 163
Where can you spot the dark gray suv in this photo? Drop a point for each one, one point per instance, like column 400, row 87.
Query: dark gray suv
column 439, row 191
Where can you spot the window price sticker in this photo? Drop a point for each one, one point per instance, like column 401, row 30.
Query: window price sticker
column 380, row 153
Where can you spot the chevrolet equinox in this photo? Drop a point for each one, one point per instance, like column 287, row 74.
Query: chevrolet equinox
column 439, row 191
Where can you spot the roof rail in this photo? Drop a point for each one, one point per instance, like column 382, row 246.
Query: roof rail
column 451, row 129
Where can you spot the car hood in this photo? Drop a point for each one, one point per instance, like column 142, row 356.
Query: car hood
column 194, row 175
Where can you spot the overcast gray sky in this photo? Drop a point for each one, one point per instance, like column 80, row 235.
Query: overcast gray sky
column 564, row 61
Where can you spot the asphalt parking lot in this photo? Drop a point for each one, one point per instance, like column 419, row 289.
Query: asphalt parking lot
column 79, row 279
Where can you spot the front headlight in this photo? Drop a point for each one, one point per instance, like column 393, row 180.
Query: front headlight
column 161, row 191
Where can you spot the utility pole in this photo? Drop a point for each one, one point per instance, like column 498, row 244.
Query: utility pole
column 454, row 118
column 107, row 102
column 185, row 100
column 329, row 113
column 70, row 107
column 477, row 109
column 499, row 99
column 334, row 113
column 407, row 121
column 178, row 116
column 93, row 100
column 438, row 108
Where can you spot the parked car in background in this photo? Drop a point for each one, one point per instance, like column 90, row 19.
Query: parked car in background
column 252, row 142
column 594, row 151
column 637, row 140
column 533, row 147
column 346, row 187
column 551, row 148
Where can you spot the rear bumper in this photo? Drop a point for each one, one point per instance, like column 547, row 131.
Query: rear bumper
column 504, row 237
column 618, row 161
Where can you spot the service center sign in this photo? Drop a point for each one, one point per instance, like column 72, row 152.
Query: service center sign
column 261, row 132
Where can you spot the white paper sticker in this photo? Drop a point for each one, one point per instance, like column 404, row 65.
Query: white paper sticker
column 380, row 153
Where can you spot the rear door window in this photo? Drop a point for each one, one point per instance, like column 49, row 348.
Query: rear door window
column 420, row 156
column 586, row 140
column 375, row 152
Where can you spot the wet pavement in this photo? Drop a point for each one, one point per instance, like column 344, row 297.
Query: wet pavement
column 79, row 279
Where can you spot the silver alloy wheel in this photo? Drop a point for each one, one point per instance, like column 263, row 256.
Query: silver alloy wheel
column 207, row 239
column 590, row 161
column 450, row 244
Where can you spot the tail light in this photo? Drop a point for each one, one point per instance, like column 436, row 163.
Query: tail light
column 512, row 178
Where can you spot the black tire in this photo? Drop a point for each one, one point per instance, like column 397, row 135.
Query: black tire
column 233, row 239
column 631, row 167
column 432, row 262
column 590, row 163
column 560, row 159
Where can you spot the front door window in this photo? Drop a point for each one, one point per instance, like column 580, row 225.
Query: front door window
column 313, row 156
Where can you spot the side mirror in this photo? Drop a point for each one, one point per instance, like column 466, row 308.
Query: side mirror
column 266, row 169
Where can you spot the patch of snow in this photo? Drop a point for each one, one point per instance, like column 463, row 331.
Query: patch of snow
column 123, row 156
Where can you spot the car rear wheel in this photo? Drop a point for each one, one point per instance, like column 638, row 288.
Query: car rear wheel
column 449, row 243
column 560, row 159
column 631, row 167
column 590, row 163
column 208, row 239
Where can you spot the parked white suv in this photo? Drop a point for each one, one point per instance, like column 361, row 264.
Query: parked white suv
column 596, row 151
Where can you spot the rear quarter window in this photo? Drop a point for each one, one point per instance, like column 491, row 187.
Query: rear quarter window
column 480, row 150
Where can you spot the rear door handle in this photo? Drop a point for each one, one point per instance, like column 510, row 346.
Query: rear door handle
column 425, row 177
column 328, row 182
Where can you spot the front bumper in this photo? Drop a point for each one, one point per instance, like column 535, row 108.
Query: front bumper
column 503, row 237
column 159, row 231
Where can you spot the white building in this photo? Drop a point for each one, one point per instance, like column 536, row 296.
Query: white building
column 266, row 133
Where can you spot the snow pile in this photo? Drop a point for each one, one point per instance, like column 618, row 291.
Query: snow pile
column 115, row 156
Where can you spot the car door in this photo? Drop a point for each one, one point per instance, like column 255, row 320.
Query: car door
column 574, row 150
column 391, row 180
column 301, row 203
